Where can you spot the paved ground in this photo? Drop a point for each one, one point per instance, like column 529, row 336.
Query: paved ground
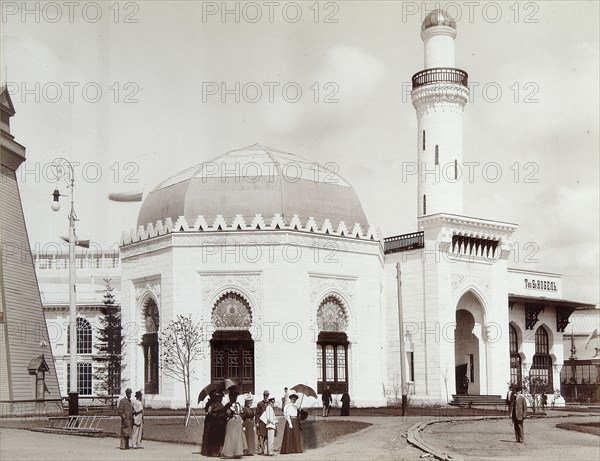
column 384, row 440
column 495, row 439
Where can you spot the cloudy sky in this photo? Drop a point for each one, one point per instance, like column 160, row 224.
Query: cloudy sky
column 132, row 91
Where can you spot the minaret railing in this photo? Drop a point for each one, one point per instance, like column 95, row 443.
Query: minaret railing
column 440, row 75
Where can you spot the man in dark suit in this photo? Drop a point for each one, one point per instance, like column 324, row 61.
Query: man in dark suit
column 518, row 412
column 125, row 412
column 261, row 427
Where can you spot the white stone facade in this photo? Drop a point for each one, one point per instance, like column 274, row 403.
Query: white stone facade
column 284, row 275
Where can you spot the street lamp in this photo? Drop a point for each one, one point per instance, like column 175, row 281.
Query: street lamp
column 63, row 169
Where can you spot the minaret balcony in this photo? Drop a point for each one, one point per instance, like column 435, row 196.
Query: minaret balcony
column 438, row 75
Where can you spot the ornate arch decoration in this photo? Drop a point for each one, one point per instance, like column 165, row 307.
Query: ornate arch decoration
column 476, row 293
column 332, row 314
column 231, row 311
column 150, row 314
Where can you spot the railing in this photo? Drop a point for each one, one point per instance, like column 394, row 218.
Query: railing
column 88, row 424
column 403, row 242
column 58, row 262
column 440, row 75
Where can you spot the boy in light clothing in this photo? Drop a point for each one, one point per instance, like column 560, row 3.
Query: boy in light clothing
column 268, row 417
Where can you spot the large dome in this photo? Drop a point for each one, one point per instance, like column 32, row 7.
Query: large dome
column 255, row 180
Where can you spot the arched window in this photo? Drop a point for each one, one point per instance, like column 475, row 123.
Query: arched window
column 541, row 369
column 150, row 345
column 332, row 346
column 515, row 358
column 84, row 337
column 232, row 347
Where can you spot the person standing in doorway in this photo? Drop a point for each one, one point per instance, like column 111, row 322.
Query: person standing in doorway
column 518, row 414
column 138, row 420
column 125, row 412
column 327, row 399
column 261, row 427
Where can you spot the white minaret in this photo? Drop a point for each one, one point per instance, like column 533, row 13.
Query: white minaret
column 439, row 94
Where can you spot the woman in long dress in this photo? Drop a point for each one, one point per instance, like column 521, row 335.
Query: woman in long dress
column 345, row 403
column 292, row 434
column 248, row 423
column 214, row 426
column 235, row 441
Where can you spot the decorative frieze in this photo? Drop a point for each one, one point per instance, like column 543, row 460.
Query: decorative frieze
column 241, row 223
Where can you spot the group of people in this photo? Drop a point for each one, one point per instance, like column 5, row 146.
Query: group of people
column 231, row 430
column 132, row 420
column 327, row 400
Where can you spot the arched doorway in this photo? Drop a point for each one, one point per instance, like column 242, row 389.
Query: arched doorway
column 231, row 346
column 150, row 345
column 469, row 348
column 332, row 346
column 466, row 353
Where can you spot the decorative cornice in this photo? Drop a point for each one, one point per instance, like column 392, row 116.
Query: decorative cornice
column 327, row 245
column 241, row 224
column 468, row 227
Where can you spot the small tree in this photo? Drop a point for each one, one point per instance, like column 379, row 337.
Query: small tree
column 181, row 345
column 109, row 345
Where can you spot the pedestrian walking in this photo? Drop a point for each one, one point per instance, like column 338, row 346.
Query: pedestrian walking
column 261, row 427
column 327, row 399
column 466, row 384
column 292, row 433
column 125, row 412
column 518, row 413
column 345, row 403
column 138, row 420
column 248, row 424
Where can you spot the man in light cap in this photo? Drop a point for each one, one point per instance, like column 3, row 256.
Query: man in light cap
column 261, row 427
column 125, row 412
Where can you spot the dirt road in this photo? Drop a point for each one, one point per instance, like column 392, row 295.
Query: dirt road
column 384, row 440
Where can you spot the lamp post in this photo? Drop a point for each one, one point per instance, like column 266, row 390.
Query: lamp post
column 64, row 169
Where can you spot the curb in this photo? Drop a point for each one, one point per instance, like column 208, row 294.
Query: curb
column 414, row 435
